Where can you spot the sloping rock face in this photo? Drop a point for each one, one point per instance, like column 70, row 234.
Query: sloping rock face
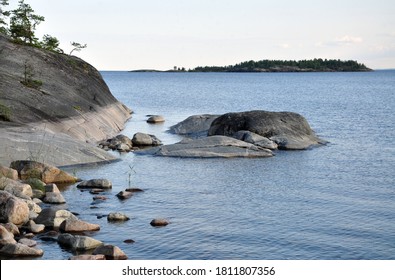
column 288, row 130
column 210, row 147
column 69, row 97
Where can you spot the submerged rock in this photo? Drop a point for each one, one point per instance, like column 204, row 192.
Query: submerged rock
column 210, row 147
column 124, row 194
column 289, row 130
column 159, row 222
column 117, row 217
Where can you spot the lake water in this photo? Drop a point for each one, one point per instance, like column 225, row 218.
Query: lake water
column 332, row 202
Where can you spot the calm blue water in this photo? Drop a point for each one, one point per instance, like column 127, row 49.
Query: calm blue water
column 332, row 202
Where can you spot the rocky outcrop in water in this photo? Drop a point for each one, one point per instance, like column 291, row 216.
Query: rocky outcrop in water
column 290, row 131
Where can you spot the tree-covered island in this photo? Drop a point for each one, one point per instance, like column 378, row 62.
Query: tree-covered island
column 311, row 65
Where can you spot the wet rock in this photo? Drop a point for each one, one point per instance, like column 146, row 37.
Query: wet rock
column 87, row 258
column 143, row 139
column 20, row 250
column 96, row 191
column 111, row 252
column 128, row 241
column 49, row 236
column 117, row 217
column 77, row 226
column 156, row 119
column 8, row 173
column 6, row 237
column 13, row 209
column 46, row 173
column 134, row 190
column 159, row 222
column 27, row 242
column 99, row 197
column 78, row 242
column 52, row 217
column 124, row 194
column 95, row 184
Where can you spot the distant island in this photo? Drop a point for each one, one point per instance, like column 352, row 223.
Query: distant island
column 311, row 65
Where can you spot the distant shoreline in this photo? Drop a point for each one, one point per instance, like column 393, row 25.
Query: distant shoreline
column 269, row 66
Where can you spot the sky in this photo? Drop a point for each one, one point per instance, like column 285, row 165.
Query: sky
column 161, row 34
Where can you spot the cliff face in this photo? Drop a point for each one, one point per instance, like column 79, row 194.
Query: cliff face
column 54, row 95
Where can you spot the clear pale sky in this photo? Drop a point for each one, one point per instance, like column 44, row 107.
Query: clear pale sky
column 161, row 34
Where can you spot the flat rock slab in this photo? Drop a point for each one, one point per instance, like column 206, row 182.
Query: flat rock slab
column 210, row 147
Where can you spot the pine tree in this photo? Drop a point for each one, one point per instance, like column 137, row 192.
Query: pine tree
column 23, row 24
column 3, row 15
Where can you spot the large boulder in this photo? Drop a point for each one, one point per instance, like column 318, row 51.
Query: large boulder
column 95, row 184
column 289, row 130
column 143, row 139
column 70, row 225
column 20, row 250
column 16, row 188
column 6, row 237
column 78, row 242
column 210, row 147
column 8, row 173
column 53, row 217
column 111, row 252
column 13, row 209
column 196, row 125
column 46, row 173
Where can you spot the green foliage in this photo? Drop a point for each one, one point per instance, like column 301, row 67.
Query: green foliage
column 23, row 24
column 28, row 79
column 50, row 43
column 3, row 15
column 311, row 65
column 5, row 113
column 36, row 183
column 77, row 47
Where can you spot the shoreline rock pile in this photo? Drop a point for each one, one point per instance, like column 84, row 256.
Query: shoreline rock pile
column 22, row 218
column 124, row 144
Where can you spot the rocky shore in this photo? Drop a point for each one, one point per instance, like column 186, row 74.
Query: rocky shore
column 54, row 107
